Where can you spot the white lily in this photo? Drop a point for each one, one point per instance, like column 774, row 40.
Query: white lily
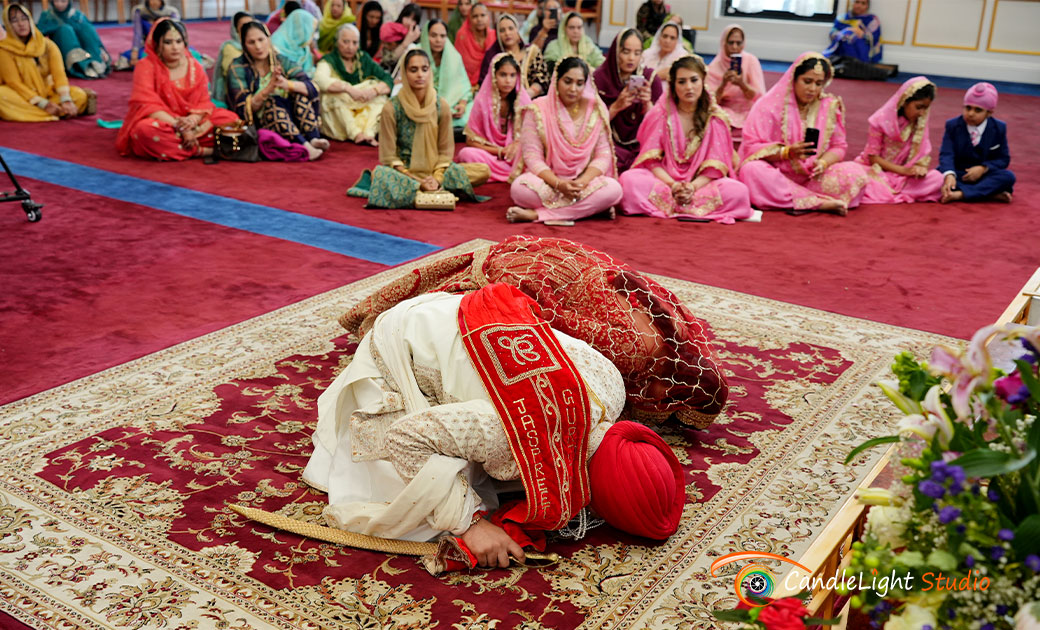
column 933, row 407
column 906, row 405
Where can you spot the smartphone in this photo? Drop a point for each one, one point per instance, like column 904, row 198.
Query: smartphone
column 812, row 135
column 692, row 219
column 554, row 14
column 735, row 63
column 636, row 81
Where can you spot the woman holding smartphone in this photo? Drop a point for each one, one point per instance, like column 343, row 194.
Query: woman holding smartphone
column 627, row 93
column 780, row 164
column 735, row 78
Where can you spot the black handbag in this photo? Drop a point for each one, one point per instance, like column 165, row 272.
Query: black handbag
column 237, row 142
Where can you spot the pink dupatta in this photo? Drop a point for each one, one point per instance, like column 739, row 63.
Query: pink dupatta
column 774, row 121
column 733, row 97
column 901, row 142
column 569, row 146
column 662, row 143
column 485, row 124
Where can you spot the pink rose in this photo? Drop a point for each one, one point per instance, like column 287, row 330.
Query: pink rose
column 1011, row 388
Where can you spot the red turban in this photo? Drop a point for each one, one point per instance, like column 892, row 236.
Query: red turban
column 636, row 481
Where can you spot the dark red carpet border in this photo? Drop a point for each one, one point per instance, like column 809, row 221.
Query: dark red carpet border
column 944, row 269
column 99, row 282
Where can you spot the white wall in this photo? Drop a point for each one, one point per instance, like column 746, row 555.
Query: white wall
column 965, row 38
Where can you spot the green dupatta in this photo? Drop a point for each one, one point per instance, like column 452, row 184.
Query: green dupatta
column 560, row 48
column 450, row 78
column 364, row 68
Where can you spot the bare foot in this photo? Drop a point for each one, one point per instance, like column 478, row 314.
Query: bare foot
column 367, row 140
column 516, row 214
column 835, row 206
column 954, row 195
column 1002, row 197
column 313, row 153
column 320, row 143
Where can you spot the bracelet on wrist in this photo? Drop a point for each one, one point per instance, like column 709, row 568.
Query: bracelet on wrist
column 785, row 153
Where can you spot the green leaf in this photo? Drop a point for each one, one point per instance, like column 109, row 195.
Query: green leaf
column 731, row 615
column 888, row 439
column 982, row 462
column 964, row 439
column 816, row 621
column 1025, row 370
column 1027, row 537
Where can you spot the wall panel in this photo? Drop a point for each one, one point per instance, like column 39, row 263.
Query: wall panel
column 955, row 24
column 1014, row 27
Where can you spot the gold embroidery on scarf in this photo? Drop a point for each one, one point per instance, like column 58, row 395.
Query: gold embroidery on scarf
column 646, row 156
column 721, row 166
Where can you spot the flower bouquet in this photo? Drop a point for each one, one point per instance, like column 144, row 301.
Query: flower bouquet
column 788, row 613
column 954, row 543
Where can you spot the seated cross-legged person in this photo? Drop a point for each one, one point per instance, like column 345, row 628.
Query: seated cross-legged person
column 491, row 134
column 34, row 86
column 974, row 157
column 628, row 90
column 899, row 150
column 568, row 165
column 417, row 146
column 170, row 116
column 85, row 56
column 276, row 92
column 686, row 156
column 354, row 89
column 782, row 169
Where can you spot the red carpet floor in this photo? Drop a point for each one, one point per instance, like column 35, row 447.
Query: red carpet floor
column 944, row 269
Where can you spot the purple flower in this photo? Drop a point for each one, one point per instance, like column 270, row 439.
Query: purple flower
column 993, row 495
column 932, row 489
column 986, row 626
column 939, row 472
column 1002, row 609
column 1011, row 388
column 1031, row 349
column 1033, row 562
column 996, row 553
column 1006, row 535
column 961, row 529
column 949, row 514
column 969, row 561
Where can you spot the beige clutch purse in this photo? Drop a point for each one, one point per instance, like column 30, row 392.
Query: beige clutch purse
column 434, row 200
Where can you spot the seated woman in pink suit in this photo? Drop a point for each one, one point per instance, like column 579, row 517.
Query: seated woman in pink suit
column 685, row 155
column 735, row 78
column 898, row 148
column 781, row 169
column 491, row 136
column 566, row 156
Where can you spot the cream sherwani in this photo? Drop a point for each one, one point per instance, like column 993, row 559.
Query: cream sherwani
column 408, row 443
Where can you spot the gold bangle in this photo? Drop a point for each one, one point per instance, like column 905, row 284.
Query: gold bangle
column 477, row 516
column 785, row 152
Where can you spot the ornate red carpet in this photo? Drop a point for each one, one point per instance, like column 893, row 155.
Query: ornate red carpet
column 113, row 488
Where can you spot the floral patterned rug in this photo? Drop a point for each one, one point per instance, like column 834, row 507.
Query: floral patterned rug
column 113, row 489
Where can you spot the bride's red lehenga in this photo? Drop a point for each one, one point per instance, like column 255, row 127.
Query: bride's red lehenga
column 661, row 349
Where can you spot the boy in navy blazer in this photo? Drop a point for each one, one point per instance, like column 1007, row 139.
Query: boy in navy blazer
column 974, row 157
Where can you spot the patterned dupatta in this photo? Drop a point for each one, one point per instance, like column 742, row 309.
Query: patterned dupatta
column 904, row 144
column 155, row 91
column 484, row 123
column 774, row 120
column 661, row 139
column 568, row 147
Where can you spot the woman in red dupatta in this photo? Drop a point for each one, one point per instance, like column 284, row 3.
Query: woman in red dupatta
column 474, row 39
column 170, row 116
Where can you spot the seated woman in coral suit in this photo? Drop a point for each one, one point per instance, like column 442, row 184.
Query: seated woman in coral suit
column 450, row 398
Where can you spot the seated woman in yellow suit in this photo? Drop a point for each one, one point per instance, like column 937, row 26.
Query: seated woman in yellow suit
column 35, row 87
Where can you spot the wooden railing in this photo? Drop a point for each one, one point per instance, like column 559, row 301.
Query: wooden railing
column 829, row 553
